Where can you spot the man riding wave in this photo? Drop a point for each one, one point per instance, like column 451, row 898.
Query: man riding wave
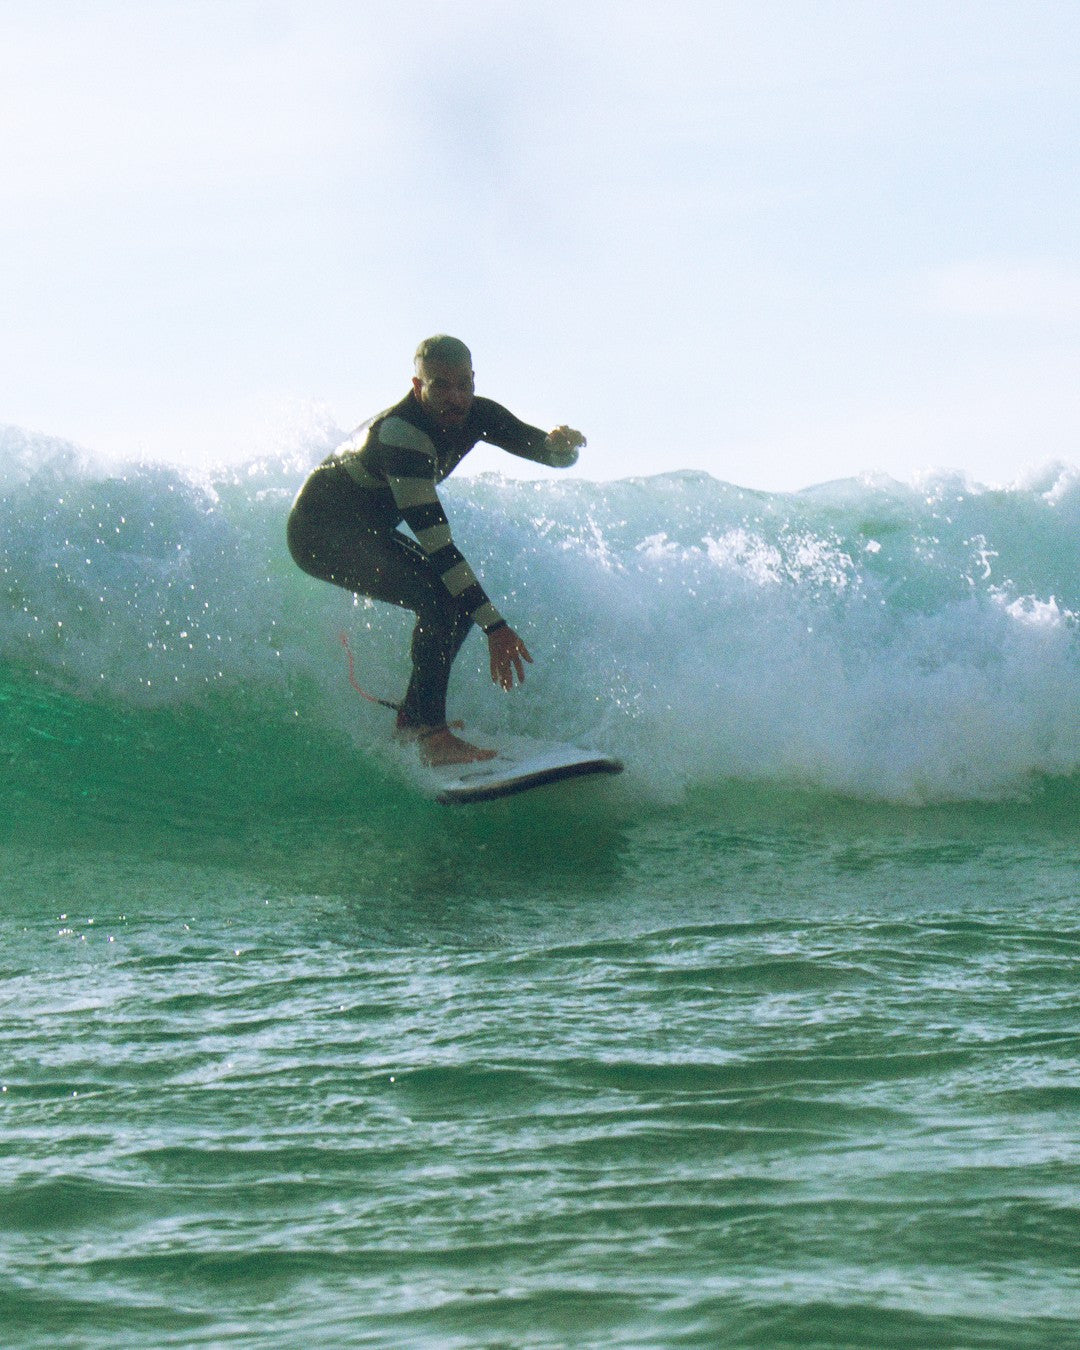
column 343, row 528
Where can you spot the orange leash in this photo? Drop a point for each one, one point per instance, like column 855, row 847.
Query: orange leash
column 371, row 698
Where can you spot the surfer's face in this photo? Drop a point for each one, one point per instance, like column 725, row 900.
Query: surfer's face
column 445, row 392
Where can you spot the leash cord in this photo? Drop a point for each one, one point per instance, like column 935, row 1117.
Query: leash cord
column 371, row 698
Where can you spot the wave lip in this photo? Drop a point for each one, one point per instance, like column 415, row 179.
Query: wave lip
column 895, row 642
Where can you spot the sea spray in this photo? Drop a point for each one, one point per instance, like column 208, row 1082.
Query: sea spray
column 900, row 642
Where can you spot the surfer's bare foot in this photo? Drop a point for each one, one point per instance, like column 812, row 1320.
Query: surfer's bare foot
column 440, row 746
column 415, row 733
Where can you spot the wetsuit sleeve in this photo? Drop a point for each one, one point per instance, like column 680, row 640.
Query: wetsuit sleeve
column 500, row 427
column 407, row 459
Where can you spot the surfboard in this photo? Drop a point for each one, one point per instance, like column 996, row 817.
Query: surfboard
column 519, row 767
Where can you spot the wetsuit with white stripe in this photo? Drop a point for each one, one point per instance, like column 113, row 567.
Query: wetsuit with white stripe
column 343, row 528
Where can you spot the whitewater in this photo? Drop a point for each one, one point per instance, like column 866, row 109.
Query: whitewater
column 771, row 1041
column 909, row 643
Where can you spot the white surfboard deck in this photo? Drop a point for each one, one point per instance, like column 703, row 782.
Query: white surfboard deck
column 521, row 764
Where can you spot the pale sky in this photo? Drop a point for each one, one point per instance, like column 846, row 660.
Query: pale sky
column 782, row 241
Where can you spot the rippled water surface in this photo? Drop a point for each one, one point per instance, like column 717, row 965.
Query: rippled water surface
column 730, row 1086
column 770, row 1042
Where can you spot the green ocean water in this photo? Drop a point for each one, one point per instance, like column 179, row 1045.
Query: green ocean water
column 757, row 1069
column 770, row 1042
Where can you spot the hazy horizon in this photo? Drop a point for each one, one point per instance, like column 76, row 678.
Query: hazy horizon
column 780, row 242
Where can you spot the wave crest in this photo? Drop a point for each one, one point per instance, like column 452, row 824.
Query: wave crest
column 907, row 642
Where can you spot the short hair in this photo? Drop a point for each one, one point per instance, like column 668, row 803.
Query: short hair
column 451, row 351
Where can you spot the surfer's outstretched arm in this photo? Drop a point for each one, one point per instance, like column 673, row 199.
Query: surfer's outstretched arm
column 558, row 448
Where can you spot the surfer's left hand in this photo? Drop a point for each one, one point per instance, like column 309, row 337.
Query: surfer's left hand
column 507, row 652
column 563, row 445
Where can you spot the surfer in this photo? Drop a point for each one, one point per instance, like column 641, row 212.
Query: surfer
column 343, row 528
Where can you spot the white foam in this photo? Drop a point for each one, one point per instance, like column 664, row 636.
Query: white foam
column 908, row 642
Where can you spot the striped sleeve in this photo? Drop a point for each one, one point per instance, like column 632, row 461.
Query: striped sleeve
column 409, row 462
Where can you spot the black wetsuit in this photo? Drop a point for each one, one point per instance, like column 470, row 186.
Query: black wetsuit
column 343, row 529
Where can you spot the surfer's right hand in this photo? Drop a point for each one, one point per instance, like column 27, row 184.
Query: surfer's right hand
column 507, row 652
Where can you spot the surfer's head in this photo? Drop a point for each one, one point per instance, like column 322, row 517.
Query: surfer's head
column 444, row 380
